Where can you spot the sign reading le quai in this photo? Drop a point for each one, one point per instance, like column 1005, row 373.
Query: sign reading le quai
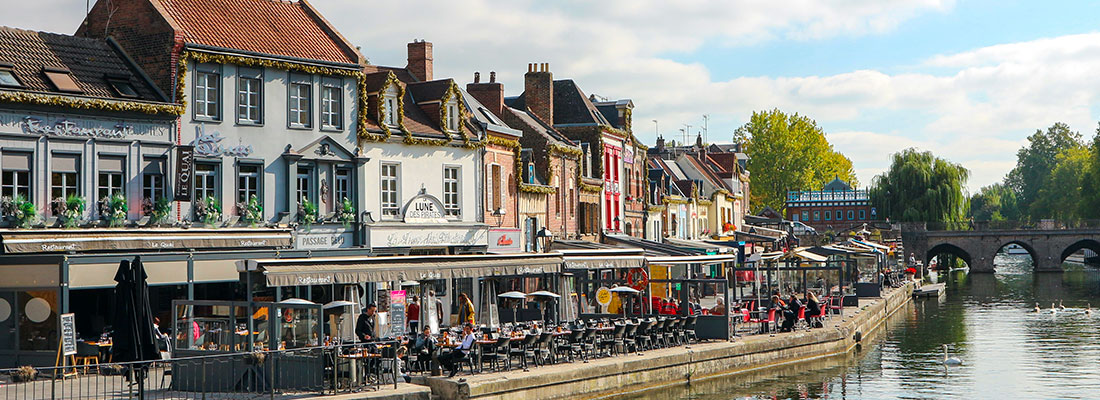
column 185, row 164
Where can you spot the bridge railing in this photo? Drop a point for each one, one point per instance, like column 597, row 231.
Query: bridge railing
column 1046, row 224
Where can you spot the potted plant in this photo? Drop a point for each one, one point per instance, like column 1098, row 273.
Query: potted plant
column 113, row 209
column 20, row 211
column 208, row 210
column 251, row 212
column 160, row 211
column 25, row 373
column 307, row 212
column 346, row 212
column 69, row 210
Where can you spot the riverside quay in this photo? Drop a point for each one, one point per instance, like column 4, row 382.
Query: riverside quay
column 226, row 198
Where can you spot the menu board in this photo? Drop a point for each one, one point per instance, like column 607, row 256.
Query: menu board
column 397, row 313
column 68, row 334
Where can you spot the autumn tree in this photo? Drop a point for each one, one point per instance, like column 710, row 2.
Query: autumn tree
column 787, row 153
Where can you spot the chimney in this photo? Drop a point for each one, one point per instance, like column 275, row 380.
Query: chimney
column 420, row 60
column 491, row 94
column 538, row 91
column 660, row 143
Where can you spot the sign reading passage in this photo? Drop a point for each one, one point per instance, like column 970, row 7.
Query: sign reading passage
column 185, row 172
column 68, row 334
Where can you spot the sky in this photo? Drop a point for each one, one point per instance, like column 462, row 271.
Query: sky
column 967, row 80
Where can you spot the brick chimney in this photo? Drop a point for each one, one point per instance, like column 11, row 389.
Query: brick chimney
column 420, row 60
column 538, row 91
column 490, row 94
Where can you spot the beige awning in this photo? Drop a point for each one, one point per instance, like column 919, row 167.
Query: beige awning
column 329, row 270
column 58, row 240
column 700, row 259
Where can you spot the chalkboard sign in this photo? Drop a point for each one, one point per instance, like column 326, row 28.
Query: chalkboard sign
column 397, row 313
column 68, row 334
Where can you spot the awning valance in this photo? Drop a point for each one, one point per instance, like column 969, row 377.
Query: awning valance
column 710, row 259
column 573, row 262
column 706, row 246
column 57, row 240
column 329, row 270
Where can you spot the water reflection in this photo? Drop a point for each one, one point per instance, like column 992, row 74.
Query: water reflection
column 1008, row 351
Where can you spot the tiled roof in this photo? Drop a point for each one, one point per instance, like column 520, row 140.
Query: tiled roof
column 571, row 106
column 520, row 119
column 91, row 61
column 280, row 28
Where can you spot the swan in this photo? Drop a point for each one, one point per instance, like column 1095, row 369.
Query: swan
column 950, row 360
column 1053, row 309
column 1088, row 308
column 1060, row 306
column 1037, row 309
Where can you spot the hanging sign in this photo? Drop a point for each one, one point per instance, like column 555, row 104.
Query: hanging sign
column 424, row 209
column 185, row 172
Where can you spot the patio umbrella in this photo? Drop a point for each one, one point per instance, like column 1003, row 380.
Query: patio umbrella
column 337, row 303
column 543, row 293
column 625, row 290
column 133, row 336
column 516, row 297
column 297, row 301
column 545, row 296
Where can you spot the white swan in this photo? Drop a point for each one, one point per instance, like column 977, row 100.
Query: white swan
column 1060, row 306
column 1053, row 309
column 1088, row 308
column 950, row 360
column 1037, row 309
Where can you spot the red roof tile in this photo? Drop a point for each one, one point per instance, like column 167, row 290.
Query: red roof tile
column 281, row 28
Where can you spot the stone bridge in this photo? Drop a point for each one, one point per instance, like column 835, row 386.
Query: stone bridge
column 1048, row 247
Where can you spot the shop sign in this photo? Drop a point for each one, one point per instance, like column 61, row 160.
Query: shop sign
column 321, row 239
column 628, row 154
column 185, row 169
column 68, row 334
column 505, row 240
column 603, row 296
column 397, row 313
column 210, row 145
column 424, row 209
column 426, row 236
column 63, row 127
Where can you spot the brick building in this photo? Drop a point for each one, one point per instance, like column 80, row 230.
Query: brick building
column 836, row 207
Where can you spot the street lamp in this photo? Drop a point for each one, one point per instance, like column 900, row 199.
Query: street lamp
column 545, row 237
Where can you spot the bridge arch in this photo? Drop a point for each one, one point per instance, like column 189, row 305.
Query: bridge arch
column 947, row 248
column 1090, row 244
column 1026, row 246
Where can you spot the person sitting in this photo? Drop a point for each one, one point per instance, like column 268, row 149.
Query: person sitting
column 813, row 309
column 423, row 346
column 719, row 306
column 451, row 360
column 790, row 314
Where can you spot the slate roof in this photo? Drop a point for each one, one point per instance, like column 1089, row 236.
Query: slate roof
column 837, row 185
column 536, row 124
column 571, row 106
column 94, row 63
column 281, row 28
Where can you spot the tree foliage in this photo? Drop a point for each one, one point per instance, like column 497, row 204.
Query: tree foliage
column 1035, row 165
column 788, row 152
column 995, row 202
column 920, row 187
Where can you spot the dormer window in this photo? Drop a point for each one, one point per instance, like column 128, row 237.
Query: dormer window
column 62, row 80
column 452, row 117
column 390, row 104
column 7, row 78
column 123, row 88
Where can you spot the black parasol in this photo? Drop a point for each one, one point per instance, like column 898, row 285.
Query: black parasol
column 133, row 336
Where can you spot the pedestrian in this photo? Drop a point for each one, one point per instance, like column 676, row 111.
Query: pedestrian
column 438, row 306
column 465, row 309
column 364, row 326
column 412, row 312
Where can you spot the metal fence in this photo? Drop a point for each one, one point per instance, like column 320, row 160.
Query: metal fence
column 263, row 374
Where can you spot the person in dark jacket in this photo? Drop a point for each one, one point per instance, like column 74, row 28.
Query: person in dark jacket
column 364, row 326
column 813, row 307
column 790, row 314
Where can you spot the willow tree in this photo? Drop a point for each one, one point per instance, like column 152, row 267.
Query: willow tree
column 920, row 187
column 787, row 153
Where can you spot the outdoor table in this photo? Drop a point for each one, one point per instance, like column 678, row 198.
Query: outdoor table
column 354, row 360
column 761, row 315
column 104, row 349
column 481, row 343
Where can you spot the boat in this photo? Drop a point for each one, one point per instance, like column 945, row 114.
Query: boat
column 1014, row 249
column 930, row 290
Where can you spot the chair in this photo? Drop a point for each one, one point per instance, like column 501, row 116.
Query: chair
column 675, row 332
column 614, row 340
column 86, row 355
column 628, row 337
column 641, row 334
column 689, row 329
column 802, row 316
column 571, row 344
column 588, row 343
column 544, row 348
column 655, row 332
column 522, row 350
column 499, row 353
column 768, row 321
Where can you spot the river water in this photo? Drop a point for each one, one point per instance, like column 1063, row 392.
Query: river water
column 1008, row 351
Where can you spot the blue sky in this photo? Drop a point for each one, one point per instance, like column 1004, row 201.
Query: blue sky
column 968, row 80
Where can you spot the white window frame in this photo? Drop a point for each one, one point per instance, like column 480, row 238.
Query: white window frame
column 452, row 116
column 66, row 187
column 390, row 103
column 452, row 199
column 246, row 189
column 331, row 107
column 303, row 179
column 207, row 94
column 116, row 184
column 153, row 191
column 299, row 105
column 206, row 181
column 390, row 209
column 341, row 187
column 249, row 97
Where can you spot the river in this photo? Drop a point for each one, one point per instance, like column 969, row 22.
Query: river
column 1007, row 350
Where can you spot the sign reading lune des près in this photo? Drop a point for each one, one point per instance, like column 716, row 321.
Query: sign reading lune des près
column 424, row 209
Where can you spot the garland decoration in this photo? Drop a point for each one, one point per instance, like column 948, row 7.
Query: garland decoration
column 90, row 104
column 670, row 200
column 703, row 202
column 530, row 188
column 452, row 94
column 565, row 150
column 584, row 187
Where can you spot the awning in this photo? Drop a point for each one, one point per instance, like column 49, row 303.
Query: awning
column 717, row 248
column 330, row 270
column 871, row 245
column 603, row 258
column 805, row 254
column 710, row 259
column 58, row 240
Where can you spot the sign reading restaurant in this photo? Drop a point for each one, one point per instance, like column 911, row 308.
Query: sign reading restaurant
column 80, row 127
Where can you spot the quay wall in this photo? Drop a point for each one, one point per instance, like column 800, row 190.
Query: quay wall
column 623, row 374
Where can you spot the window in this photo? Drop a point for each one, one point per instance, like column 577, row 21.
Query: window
column 343, row 185
column 63, row 81
column 794, row 218
column 152, row 179
column 452, row 117
column 249, row 96
column 586, row 160
column 839, row 215
column 207, row 94
column 817, row 215
column 248, row 182
column 851, row 215
column 305, row 184
column 64, row 180
column 862, row 214
column 7, row 78
column 206, row 177
column 299, row 105
column 450, row 191
column 805, row 215
column 495, row 188
column 110, row 177
column 390, row 206
column 330, row 107
column 123, row 88
column 390, row 117
column 16, row 177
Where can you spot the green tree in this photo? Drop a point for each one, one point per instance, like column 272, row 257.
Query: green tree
column 1034, row 165
column 788, row 152
column 1060, row 195
column 1089, row 206
column 994, row 203
column 920, row 187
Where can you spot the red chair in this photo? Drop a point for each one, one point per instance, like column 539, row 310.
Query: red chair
column 801, row 315
column 769, row 321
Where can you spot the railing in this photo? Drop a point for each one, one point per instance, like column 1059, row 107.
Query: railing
column 828, row 195
column 317, row 370
column 1047, row 225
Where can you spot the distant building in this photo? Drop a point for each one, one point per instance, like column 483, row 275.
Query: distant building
column 837, row 206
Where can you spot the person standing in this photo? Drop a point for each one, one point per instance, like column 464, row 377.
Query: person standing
column 364, row 326
column 412, row 313
column 465, row 309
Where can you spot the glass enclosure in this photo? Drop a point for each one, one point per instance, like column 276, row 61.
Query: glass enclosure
column 234, row 326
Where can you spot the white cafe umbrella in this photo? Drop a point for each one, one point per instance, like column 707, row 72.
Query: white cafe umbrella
column 337, row 303
column 543, row 293
column 514, row 295
column 624, row 290
column 297, row 301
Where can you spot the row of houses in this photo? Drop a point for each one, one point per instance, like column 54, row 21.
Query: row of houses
column 201, row 133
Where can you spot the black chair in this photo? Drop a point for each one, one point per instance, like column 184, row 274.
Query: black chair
column 496, row 354
column 588, row 343
column 655, row 332
column 614, row 342
column 628, row 337
column 544, row 348
column 689, row 329
column 641, row 335
column 573, row 345
column 522, row 350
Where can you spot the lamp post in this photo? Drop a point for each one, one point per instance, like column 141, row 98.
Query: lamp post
column 544, row 237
